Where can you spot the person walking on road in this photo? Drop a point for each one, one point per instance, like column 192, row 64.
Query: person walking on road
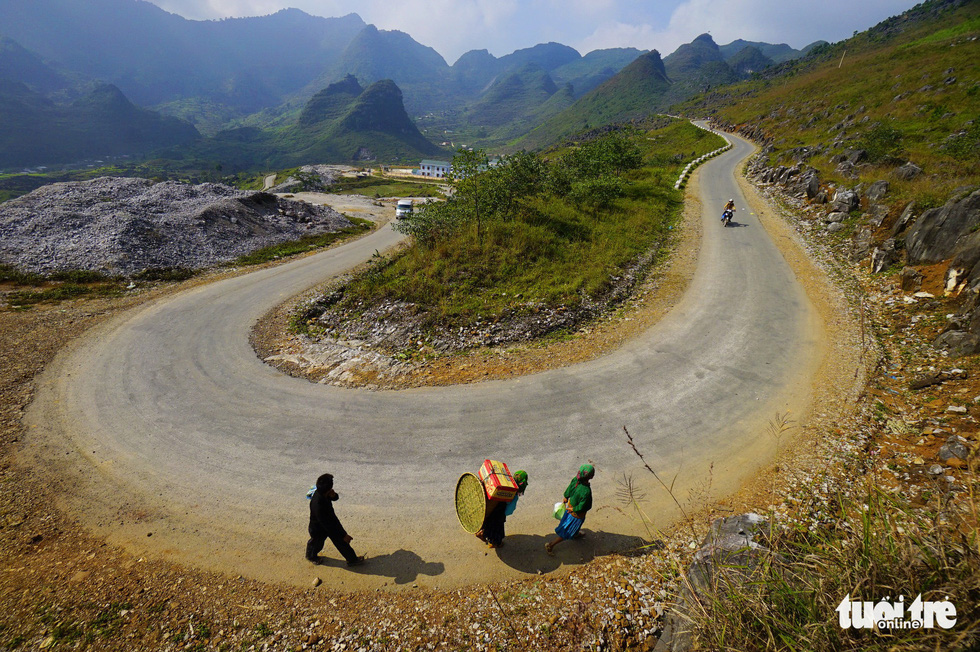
column 324, row 523
column 578, row 501
column 492, row 532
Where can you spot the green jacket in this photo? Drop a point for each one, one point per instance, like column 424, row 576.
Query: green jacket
column 579, row 496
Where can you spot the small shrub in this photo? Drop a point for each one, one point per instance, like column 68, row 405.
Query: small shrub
column 165, row 274
column 881, row 141
column 9, row 274
column 79, row 276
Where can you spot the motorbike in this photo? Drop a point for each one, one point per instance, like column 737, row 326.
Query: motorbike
column 726, row 217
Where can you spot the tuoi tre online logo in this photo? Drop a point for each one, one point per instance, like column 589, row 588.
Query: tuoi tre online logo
column 895, row 615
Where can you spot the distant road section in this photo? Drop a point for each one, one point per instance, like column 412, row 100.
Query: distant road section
column 165, row 422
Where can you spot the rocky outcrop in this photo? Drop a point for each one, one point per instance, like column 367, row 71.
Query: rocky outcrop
column 122, row 226
column 845, row 201
column 908, row 171
column 942, row 233
column 884, row 256
column 310, row 178
column 726, row 559
column 877, row 191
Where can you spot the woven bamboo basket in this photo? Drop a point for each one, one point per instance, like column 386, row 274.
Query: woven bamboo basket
column 471, row 502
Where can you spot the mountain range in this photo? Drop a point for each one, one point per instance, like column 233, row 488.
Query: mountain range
column 258, row 80
column 90, row 121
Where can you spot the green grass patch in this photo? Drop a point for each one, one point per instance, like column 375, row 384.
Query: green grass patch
column 75, row 284
column 531, row 235
column 9, row 274
column 970, row 26
column 303, row 245
column 62, row 292
column 375, row 186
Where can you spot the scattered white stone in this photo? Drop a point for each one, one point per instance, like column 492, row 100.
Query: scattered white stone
column 124, row 226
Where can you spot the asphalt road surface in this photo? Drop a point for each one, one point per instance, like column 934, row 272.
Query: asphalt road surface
column 172, row 438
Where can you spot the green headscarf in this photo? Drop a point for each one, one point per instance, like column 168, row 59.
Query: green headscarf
column 520, row 477
column 585, row 472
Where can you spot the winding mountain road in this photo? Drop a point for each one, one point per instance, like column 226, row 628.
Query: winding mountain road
column 172, row 438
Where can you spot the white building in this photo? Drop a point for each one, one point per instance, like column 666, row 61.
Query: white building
column 437, row 169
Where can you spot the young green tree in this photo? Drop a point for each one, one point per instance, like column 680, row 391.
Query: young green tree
column 596, row 194
column 468, row 178
column 511, row 183
column 431, row 223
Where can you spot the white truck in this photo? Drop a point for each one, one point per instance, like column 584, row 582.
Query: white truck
column 404, row 209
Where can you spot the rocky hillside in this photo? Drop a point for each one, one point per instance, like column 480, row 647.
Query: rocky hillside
column 879, row 136
column 124, row 226
column 895, row 236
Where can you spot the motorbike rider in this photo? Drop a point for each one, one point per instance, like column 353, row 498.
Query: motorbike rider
column 730, row 206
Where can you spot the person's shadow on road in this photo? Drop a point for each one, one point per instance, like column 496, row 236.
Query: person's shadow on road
column 526, row 553
column 403, row 566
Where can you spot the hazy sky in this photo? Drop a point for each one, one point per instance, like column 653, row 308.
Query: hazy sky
column 453, row 27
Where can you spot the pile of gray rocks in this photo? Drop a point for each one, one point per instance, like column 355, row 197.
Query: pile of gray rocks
column 122, row 226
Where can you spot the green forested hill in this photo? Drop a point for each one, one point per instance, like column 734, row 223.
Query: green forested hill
column 776, row 52
column 696, row 67
column 594, row 68
column 647, row 86
column 516, row 103
column 332, row 102
column 635, row 92
column 510, row 97
column 36, row 131
column 342, row 123
column 749, row 60
column 20, row 65
column 156, row 57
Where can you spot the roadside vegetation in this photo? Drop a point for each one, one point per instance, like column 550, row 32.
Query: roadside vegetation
column 303, row 245
column 21, row 290
column 531, row 232
column 869, row 545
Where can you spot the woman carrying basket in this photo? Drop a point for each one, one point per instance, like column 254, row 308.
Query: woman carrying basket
column 492, row 532
column 578, row 501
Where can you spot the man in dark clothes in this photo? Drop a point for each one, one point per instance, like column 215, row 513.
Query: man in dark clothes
column 324, row 523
